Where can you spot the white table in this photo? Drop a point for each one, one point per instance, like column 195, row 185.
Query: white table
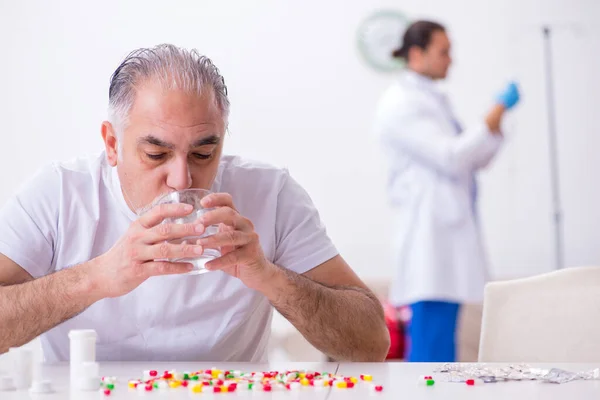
column 400, row 381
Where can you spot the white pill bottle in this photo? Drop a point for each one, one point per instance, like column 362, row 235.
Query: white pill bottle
column 22, row 366
column 82, row 350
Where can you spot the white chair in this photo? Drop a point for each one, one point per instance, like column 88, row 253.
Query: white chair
column 554, row 317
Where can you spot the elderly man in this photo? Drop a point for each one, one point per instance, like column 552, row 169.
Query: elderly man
column 76, row 253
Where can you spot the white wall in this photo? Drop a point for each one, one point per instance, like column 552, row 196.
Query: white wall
column 301, row 97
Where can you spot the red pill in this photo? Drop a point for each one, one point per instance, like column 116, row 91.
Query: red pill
column 350, row 385
column 267, row 388
column 153, row 373
column 378, row 388
column 107, row 392
column 148, row 388
column 184, row 383
column 470, row 382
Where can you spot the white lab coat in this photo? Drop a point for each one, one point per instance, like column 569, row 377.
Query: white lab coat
column 438, row 249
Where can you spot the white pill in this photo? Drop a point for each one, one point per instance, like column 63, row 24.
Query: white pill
column 319, row 382
column 163, row 385
column 178, row 376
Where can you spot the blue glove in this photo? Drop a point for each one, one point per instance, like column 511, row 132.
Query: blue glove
column 510, row 96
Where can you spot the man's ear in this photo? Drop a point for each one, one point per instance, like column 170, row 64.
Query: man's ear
column 111, row 143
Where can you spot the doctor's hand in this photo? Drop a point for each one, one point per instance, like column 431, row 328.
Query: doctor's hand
column 510, row 96
column 241, row 253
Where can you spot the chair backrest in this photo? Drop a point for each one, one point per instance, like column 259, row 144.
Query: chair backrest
column 554, row 317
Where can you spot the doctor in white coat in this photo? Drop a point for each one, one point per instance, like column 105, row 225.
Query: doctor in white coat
column 439, row 254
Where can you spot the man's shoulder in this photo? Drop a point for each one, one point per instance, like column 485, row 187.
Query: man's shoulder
column 405, row 90
column 69, row 175
column 404, row 99
column 236, row 170
column 89, row 164
column 235, row 162
column 53, row 185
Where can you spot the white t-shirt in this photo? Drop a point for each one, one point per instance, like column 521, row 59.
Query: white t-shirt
column 72, row 212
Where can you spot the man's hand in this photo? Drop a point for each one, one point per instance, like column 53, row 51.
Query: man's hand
column 241, row 253
column 132, row 259
column 327, row 303
column 32, row 308
column 505, row 101
column 510, row 96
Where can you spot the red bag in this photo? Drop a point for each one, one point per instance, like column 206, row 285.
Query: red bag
column 397, row 333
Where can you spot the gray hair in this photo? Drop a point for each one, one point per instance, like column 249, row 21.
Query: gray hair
column 174, row 68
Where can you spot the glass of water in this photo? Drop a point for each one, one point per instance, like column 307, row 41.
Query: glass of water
column 193, row 197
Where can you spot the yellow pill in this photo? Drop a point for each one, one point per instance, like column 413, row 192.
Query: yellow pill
column 341, row 385
column 302, row 375
column 215, row 373
column 223, row 388
column 367, row 378
column 325, row 382
column 132, row 385
column 353, row 380
column 304, row 382
column 174, row 384
column 197, row 388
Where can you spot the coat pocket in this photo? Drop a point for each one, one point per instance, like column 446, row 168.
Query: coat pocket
column 451, row 203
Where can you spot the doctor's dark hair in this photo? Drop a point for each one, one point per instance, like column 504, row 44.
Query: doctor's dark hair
column 173, row 68
column 417, row 34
